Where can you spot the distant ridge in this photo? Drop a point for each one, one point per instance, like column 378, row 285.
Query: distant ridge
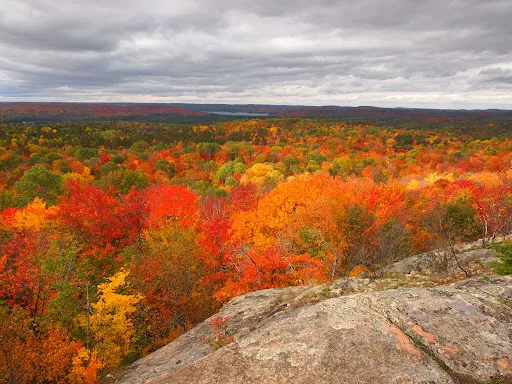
column 86, row 111
column 196, row 113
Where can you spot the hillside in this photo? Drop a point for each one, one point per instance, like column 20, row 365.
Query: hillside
column 88, row 111
column 353, row 331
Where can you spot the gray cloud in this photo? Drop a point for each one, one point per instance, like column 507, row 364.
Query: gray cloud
column 435, row 53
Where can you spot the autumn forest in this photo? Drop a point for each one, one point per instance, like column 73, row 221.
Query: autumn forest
column 117, row 237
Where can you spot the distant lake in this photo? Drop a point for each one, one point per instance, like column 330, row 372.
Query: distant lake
column 237, row 113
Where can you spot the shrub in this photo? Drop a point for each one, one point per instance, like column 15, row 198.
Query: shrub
column 221, row 335
column 504, row 252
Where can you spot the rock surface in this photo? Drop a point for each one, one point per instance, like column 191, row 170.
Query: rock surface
column 457, row 333
column 434, row 261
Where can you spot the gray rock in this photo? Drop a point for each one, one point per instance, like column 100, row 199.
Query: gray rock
column 435, row 261
column 459, row 334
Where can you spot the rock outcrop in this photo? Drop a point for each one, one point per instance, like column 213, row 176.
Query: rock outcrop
column 436, row 261
column 457, row 333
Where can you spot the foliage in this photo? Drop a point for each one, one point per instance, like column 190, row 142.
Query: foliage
column 109, row 322
column 221, row 335
column 85, row 367
column 504, row 252
column 35, row 216
column 202, row 213
column 40, row 182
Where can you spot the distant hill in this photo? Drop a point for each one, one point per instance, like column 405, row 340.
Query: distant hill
column 482, row 122
column 333, row 111
column 86, row 111
column 412, row 113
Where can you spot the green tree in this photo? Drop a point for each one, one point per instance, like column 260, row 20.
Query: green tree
column 226, row 170
column 166, row 168
column 208, row 149
column 139, row 146
column 39, row 182
column 316, row 156
column 124, row 179
column 108, row 167
column 118, row 159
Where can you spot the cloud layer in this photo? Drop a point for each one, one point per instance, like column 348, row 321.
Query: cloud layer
column 437, row 53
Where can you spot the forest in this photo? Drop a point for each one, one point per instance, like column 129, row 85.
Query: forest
column 116, row 237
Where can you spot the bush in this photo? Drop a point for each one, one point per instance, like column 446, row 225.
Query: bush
column 221, row 335
column 504, row 252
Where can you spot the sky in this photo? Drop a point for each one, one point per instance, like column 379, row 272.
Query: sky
column 388, row 53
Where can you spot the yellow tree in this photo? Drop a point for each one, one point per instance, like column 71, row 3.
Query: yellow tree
column 34, row 216
column 261, row 173
column 110, row 322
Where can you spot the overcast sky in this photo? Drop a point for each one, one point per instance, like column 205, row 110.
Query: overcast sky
column 438, row 53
